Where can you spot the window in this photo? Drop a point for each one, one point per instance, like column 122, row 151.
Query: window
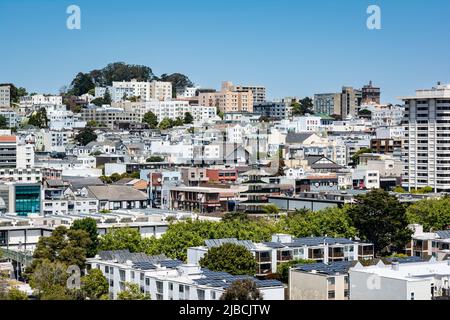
column 412, row 295
column 331, row 294
column 200, row 294
column 331, row 281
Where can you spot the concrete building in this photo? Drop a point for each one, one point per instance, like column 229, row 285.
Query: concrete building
column 259, row 92
column 273, row 110
column 40, row 99
column 8, row 152
column 5, row 97
column 109, row 117
column 426, row 147
column 165, row 279
column 320, row 281
column 227, row 99
column 13, row 119
column 284, row 248
column 406, row 281
column 327, row 103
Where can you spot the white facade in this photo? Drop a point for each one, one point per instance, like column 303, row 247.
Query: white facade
column 25, row 156
column 405, row 281
column 426, row 147
column 5, row 98
column 185, row 282
column 39, row 99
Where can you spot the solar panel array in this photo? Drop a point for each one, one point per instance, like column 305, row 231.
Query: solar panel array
column 144, row 265
column 443, row 234
column 224, row 279
column 211, row 243
column 314, row 241
column 331, row 268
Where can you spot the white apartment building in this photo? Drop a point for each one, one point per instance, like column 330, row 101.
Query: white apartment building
column 5, row 97
column 49, row 140
column 366, row 179
column 171, row 109
column 13, row 119
column 259, row 92
column 188, row 92
column 394, row 132
column 39, row 99
column 158, row 90
column 25, row 156
column 32, row 175
column 64, row 120
column 284, row 248
column 302, row 124
column 426, row 147
column 165, row 279
column 405, row 281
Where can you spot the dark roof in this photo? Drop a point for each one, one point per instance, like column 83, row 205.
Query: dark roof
column 331, row 268
column 315, row 241
column 117, row 193
column 405, row 259
column 218, row 242
column 224, row 280
column 56, row 183
column 80, row 182
column 293, row 137
column 443, row 234
column 121, row 256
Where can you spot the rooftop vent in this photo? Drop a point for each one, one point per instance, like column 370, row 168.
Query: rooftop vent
column 395, row 265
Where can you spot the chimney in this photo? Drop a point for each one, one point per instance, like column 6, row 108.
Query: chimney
column 395, row 265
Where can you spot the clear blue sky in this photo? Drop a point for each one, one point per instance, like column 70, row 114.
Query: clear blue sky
column 293, row 47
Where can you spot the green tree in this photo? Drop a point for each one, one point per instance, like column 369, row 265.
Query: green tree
column 95, row 286
column 399, row 189
column 132, row 292
column 98, row 102
column 107, row 97
column 120, row 239
column 81, row 84
column 67, row 246
column 283, row 268
column 90, row 226
column 229, row 257
column 165, row 124
column 151, row 119
column 92, row 124
column 39, row 118
column 220, row 114
column 179, row 82
column 271, row 209
column 333, row 222
column 15, row 294
column 85, row 136
column 433, row 214
column 155, row 159
column 188, row 118
column 49, row 281
column 380, row 219
column 242, row 290
column 3, row 122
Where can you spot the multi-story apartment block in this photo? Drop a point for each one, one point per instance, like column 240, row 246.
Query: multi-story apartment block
column 40, row 99
column 13, row 119
column 5, row 97
column 109, row 116
column 274, row 110
column 320, row 281
column 227, row 100
column 327, row 103
column 285, row 248
column 427, row 244
column 165, row 279
column 259, row 93
column 161, row 90
column 426, row 147
column 8, row 151
column 350, row 101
